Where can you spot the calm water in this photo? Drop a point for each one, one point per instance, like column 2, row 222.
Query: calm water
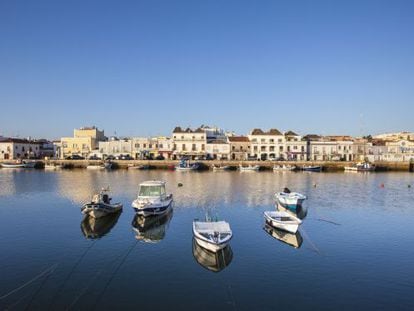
column 355, row 249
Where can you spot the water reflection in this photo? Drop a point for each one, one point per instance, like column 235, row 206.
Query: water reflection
column 151, row 229
column 213, row 261
column 291, row 239
column 95, row 228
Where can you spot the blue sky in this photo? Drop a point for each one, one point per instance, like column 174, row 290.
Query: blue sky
column 143, row 67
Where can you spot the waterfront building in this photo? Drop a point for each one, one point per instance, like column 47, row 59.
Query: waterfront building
column 295, row 147
column 189, row 143
column 401, row 150
column 267, row 145
column 165, row 147
column 116, row 147
column 16, row 148
column 239, row 147
column 84, row 140
column 144, row 148
column 330, row 148
column 395, row 136
column 218, row 150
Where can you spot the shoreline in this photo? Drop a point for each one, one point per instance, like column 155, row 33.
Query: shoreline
column 328, row 166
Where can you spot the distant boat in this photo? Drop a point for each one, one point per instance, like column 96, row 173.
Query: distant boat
column 278, row 168
column 212, row 261
column 282, row 220
column 102, row 166
column 291, row 239
column 217, row 168
column 185, row 165
column 361, row 167
column 152, row 199
column 250, row 168
column 24, row 164
column 212, row 235
column 290, row 200
column 53, row 166
column 101, row 205
column 312, row 168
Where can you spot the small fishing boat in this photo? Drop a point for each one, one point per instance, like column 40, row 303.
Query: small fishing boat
column 250, row 168
column 283, row 168
column 212, row 261
column 312, row 168
column 52, row 166
column 23, row 164
column 185, row 166
column 100, row 205
column 102, row 166
column 291, row 239
column 217, row 168
column 282, row 220
column 212, row 235
column 360, row 167
column 151, row 229
column 152, row 199
column 290, row 200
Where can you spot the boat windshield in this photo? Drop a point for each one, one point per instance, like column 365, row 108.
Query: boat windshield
column 151, row 191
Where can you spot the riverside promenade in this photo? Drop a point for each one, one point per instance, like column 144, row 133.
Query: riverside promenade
column 329, row 166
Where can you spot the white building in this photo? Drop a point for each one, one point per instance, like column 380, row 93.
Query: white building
column 267, row 145
column 189, row 143
column 116, row 147
column 295, row 147
column 330, row 148
column 218, row 150
column 15, row 148
column 399, row 151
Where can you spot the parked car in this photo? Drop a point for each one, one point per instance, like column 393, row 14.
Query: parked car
column 110, row 157
column 160, row 158
column 75, row 157
column 94, row 157
column 125, row 157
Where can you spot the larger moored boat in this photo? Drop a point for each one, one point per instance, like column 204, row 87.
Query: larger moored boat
column 152, row 199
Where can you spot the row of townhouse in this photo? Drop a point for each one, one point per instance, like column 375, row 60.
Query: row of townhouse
column 213, row 143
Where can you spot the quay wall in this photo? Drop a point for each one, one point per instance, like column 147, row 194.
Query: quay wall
column 165, row 164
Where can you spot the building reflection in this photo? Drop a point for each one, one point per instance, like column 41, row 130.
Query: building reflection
column 213, row 261
column 291, row 239
column 95, row 228
column 151, row 229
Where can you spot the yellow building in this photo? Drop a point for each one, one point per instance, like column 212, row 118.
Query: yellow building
column 84, row 140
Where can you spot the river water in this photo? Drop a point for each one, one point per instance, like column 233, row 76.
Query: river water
column 354, row 251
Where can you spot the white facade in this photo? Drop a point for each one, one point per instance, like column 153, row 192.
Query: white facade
column 267, row 145
column 295, row 147
column 189, row 143
column 14, row 148
column 399, row 151
column 218, row 150
column 116, row 147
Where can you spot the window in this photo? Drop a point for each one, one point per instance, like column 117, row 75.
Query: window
column 263, row 140
column 183, row 147
column 150, row 146
column 271, row 140
column 144, row 145
column 194, row 147
column 202, row 147
column 23, row 149
column 136, row 145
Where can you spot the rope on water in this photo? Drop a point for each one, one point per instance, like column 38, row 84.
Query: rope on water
column 48, row 270
column 314, row 248
column 329, row 221
column 38, row 290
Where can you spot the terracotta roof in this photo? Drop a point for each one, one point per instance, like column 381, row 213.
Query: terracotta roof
column 290, row 133
column 270, row 132
column 238, row 139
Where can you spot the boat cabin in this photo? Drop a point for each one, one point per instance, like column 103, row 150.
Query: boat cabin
column 152, row 189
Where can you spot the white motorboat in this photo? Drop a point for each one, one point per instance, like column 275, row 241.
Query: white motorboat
column 52, row 166
column 185, row 165
column 102, row 166
column 249, row 168
column 282, row 220
column 360, row 167
column 212, row 261
column 23, row 164
column 212, row 235
column 312, row 168
column 283, row 168
column 152, row 199
column 101, row 205
column 290, row 200
column 291, row 239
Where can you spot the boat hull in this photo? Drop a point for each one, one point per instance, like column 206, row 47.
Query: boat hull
column 98, row 210
column 152, row 210
column 288, row 226
column 210, row 246
column 20, row 165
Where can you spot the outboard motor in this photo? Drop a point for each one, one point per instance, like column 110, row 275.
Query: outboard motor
column 286, row 190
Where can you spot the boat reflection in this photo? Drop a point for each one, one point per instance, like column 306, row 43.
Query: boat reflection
column 291, row 239
column 213, row 261
column 301, row 211
column 95, row 228
column 151, row 229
